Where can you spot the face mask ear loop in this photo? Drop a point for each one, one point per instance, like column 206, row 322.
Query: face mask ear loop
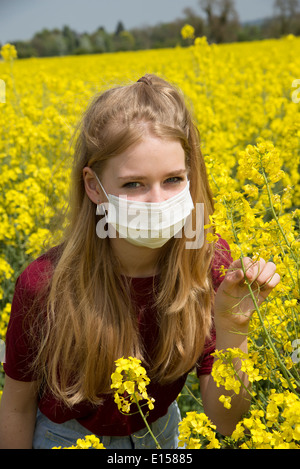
column 100, row 207
column 100, row 184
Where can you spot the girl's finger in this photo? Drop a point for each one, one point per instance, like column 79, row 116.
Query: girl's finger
column 271, row 283
column 261, row 271
column 235, row 274
column 254, row 269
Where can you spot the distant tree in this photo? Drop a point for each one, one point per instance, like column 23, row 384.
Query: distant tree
column 142, row 38
column 228, row 21
column 123, row 41
column 209, row 7
column 25, row 49
column 101, row 41
column 166, row 35
column 286, row 11
column 190, row 17
column 49, row 43
column 222, row 19
column 221, row 24
column 127, row 40
column 119, row 28
column 71, row 39
column 227, row 11
column 250, row 33
column 85, row 45
column 286, row 8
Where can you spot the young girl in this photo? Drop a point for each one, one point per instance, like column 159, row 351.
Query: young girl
column 127, row 280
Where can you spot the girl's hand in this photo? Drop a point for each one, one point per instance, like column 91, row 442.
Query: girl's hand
column 233, row 303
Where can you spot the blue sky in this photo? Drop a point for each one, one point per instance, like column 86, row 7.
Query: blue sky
column 21, row 19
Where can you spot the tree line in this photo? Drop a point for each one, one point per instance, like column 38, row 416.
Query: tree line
column 218, row 20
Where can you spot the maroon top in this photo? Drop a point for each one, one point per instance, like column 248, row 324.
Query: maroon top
column 104, row 419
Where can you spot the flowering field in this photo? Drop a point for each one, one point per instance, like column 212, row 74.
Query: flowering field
column 246, row 103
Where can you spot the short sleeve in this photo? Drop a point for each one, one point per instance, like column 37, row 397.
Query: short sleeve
column 221, row 261
column 20, row 347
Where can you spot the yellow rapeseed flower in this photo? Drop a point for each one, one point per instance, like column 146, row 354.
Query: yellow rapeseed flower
column 89, row 442
column 9, row 52
column 244, row 98
column 188, row 32
column 197, row 431
column 130, row 381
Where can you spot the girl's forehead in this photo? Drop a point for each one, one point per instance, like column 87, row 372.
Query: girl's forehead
column 149, row 154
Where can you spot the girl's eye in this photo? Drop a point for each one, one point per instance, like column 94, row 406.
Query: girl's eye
column 132, row 185
column 137, row 185
column 174, row 180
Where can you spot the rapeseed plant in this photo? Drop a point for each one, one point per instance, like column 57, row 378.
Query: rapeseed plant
column 89, row 442
column 242, row 98
column 130, row 378
column 9, row 52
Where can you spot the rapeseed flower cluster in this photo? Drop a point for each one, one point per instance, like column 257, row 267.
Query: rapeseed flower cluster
column 129, row 382
column 242, row 99
column 196, row 431
column 188, row 32
column 89, row 442
column 276, row 427
column 8, row 52
column 259, row 159
column 225, row 374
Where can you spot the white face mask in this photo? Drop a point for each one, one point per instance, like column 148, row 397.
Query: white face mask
column 149, row 224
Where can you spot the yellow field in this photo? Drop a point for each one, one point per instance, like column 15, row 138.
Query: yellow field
column 246, row 103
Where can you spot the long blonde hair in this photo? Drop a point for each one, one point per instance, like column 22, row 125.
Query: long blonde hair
column 91, row 321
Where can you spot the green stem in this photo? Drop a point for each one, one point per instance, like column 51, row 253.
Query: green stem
column 273, row 210
column 146, row 423
column 279, row 224
column 285, row 372
column 17, row 97
column 266, row 333
column 199, row 401
column 246, row 388
column 269, row 340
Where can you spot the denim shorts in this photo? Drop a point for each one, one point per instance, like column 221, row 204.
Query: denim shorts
column 48, row 434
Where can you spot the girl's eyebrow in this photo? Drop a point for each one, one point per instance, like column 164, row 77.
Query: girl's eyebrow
column 141, row 178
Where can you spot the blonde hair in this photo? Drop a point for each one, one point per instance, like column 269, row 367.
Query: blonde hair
column 90, row 319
